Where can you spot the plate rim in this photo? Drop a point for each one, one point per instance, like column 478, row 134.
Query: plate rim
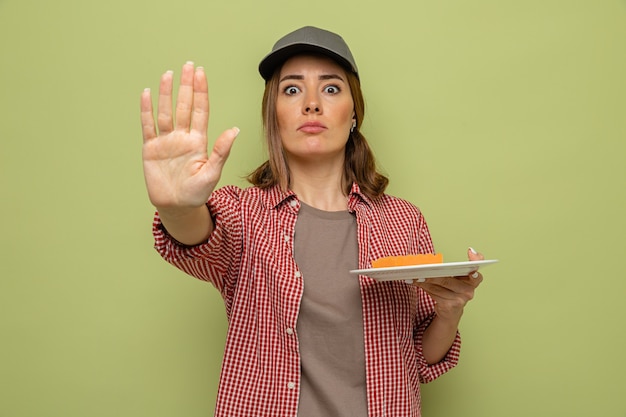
column 441, row 266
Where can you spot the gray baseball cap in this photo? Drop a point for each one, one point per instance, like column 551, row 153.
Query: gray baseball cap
column 307, row 39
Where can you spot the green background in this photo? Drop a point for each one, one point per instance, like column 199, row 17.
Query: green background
column 505, row 121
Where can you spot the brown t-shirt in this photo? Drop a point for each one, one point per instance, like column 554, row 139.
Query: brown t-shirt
column 330, row 321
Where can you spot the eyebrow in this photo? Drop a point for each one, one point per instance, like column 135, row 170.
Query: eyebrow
column 321, row 77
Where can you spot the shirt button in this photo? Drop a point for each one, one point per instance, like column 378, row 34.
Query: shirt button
column 298, row 274
column 293, row 203
column 286, row 238
column 291, row 385
column 289, row 331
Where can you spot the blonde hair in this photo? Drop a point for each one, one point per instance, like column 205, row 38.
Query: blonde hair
column 359, row 166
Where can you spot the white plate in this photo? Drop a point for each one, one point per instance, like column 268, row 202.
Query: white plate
column 450, row 269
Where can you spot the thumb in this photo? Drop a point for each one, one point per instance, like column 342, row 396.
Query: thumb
column 473, row 255
column 221, row 148
column 212, row 170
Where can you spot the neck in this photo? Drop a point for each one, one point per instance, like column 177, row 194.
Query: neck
column 319, row 186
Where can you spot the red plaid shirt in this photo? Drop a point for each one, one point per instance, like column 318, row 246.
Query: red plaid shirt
column 249, row 259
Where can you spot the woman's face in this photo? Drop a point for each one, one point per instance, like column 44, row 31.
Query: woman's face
column 314, row 108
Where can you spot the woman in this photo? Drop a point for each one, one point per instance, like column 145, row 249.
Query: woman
column 305, row 337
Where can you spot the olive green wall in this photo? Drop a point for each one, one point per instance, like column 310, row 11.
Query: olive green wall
column 505, row 121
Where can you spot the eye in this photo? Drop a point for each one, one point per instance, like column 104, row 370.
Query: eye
column 291, row 90
column 332, row 89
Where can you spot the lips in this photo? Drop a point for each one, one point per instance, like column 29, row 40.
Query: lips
column 312, row 127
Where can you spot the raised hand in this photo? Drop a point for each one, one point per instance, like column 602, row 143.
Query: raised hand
column 180, row 174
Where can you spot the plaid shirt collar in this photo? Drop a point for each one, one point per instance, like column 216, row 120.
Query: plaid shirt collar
column 275, row 197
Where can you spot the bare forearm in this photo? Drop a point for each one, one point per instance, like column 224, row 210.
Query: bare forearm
column 189, row 226
column 438, row 338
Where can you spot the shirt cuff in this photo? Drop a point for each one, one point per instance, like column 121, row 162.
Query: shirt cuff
column 430, row 372
column 174, row 251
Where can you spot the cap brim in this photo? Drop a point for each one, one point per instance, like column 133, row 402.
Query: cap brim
column 275, row 59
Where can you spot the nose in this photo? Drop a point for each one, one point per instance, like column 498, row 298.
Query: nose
column 312, row 104
column 312, row 109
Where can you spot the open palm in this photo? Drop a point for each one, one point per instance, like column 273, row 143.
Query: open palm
column 178, row 170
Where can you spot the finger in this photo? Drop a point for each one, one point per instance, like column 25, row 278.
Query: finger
column 147, row 118
column 164, row 111
column 200, row 117
column 449, row 283
column 444, row 293
column 473, row 255
column 474, row 279
column 458, row 284
column 449, row 288
column 184, row 101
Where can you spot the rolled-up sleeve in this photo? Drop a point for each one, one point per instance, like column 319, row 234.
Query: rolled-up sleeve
column 215, row 260
column 430, row 372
